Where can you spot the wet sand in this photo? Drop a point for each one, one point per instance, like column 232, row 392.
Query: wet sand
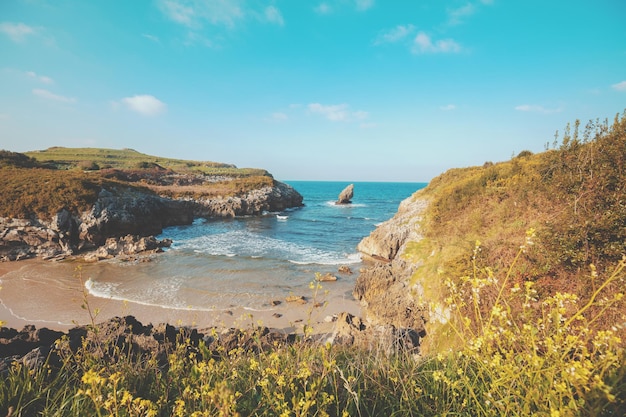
column 34, row 293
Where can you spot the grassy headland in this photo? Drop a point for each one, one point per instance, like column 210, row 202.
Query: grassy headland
column 40, row 183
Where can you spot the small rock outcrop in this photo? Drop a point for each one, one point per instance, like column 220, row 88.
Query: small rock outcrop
column 352, row 331
column 345, row 197
column 127, row 245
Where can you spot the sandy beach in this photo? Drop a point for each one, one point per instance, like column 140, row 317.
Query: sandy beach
column 34, row 292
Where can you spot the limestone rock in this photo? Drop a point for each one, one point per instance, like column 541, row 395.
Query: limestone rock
column 353, row 331
column 344, row 269
column 387, row 240
column 122, row 211
column 274, row 198
column 298, row 299
column 345, row 197
column 385, row 287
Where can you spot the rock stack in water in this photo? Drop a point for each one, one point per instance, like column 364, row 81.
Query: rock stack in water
column 345, row 197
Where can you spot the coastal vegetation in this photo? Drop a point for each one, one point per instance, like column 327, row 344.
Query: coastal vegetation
column 522, row 265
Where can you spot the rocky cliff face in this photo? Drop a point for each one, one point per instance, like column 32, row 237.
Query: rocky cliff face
column 276, row 198
column 384, row 287
column 126, row 211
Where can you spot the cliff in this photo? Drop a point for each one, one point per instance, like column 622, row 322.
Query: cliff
column 50, row 212
column 384, row 287
column 553, row 221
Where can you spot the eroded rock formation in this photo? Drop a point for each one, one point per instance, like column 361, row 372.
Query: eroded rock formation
column 345, row 197
column 385, row 286
column 123, row 211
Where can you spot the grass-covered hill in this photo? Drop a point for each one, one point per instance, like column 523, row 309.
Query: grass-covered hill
column 552, row 223
column 573, row 196
column 40, row 183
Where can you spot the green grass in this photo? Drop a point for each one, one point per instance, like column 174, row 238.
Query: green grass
column 43, row 192
column 130, row 159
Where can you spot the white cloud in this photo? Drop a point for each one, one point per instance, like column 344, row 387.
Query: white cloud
column 16, row 31
column 534, row 108
column 456, row 16
column 4, row 116
column 145, row 104
column 40, row 78
column 364, row 4
column 327, row 7
column 273, row 15
column 423, row 44
column 337, row 112
column 448, row 107
column 621, row 86
column 396, row 34
column 177, row 12
column 45, row 94
column 323, row 8
column 193, row 13
column 151, row 37
column 279, row 116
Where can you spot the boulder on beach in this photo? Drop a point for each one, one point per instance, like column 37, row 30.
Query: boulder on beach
column 345, row 197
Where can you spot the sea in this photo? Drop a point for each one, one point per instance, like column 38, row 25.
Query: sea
column 247, row 262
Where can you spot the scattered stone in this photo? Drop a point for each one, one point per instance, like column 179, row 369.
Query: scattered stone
column 344, row 269
column 345, row 197
column 275, row 302
column 228, row 312
column 297, row 299
column 330, row 319
column 277, row 315
column 318, row 305
column 328, row 277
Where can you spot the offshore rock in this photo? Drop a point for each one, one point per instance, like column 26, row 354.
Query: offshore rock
column 345, row 197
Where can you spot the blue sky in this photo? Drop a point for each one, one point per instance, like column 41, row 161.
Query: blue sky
column 345, row 90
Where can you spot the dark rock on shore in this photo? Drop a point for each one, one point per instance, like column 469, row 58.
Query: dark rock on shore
column 126, row 336
column 352, row 331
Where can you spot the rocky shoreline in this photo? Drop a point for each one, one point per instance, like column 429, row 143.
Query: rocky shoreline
column 34, row 347
column 123, row 220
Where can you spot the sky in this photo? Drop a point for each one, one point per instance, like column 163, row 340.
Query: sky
column 346, row 90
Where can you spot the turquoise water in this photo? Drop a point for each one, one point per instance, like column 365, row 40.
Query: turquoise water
column 250, row 261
